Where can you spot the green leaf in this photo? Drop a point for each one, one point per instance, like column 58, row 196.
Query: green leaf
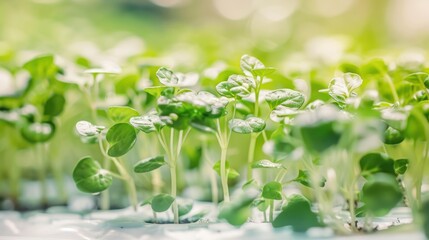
column 38, row 132
column 170, row 79
column 237, row 86
column 185, row 206
column 319, row 129
column 149, row 164
column 263, row 71
column 87, row 129
column 89, row 177
column 285, row 97
column 148, row 123
column 418, row 78
column 401, row 166
column 375, row 66
column 238, row 210
column 41, row 67
column 265, row 163
column 272, row 190
column 54, row 106
column 373, row 163
column 393, row 136
column 204, row 125
column 232, row 173
column 155, row 91
column 249, row 64
column 121, row 114
column 342, row 88
column 298, row 214
column 250, row 125
column 162, row 202
column 121, row 138
column 380, row 194
column 303, row 178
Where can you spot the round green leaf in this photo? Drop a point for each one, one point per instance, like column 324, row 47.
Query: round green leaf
column 380, row 194
column 121, row 138
column 237, row 86
column 41, row 67
column 298, row 214
column 121, row 114
column 162, row 202
column 148, row 123
column 54, row 105
column 342, row 88
column 38, row 132
column 238, row 211
column 90, row 177
column 185, row 206
column 248, row 64
column 149, row 164
column 401, row 166
column 286, row 97
column 250, row 125
column 372, row 163
column 171, row 79
column 272, row 190
column 393, row 136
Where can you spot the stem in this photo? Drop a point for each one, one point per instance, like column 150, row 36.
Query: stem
column 173, row 173
column 132, row 194
column 389, row 81
column 223, row 174
column 105, row 200
column 251, row 155
column 42, row 175
column 271, row 202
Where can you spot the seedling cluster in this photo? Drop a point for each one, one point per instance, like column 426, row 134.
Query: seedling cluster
column 313, row 157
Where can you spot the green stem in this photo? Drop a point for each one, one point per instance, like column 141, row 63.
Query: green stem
column 223, row 174
column 271, row 202
column 389, row 81
column 129, row 182
column 173, row 174
column 251, row 155
column 42, row 175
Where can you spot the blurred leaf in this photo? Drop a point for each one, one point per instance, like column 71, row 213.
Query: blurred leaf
column 373, row 163
column 232, row 173
column 248, row 64
column 54, row 106
column 380, row 194
column 90, row 177
column 272, row 190
column 38, row 132
column 162, row 202
column 121, row 114
column 297, row 213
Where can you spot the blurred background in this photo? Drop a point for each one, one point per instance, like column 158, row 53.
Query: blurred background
column 200, row 31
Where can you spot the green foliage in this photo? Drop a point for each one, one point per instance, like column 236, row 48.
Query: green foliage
column 121, row 138
column 231, row 173
column 373, row 163
column 380, row 194
column 149, row 164
column 237, row 211
column 272, row 190
column 90, row 177
column 343, row 88
column 120, row 114
column 249, row 125
column 38, row 132
column 266, row 164
column 54, row 106
column 298, row 214
column 162, row 202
